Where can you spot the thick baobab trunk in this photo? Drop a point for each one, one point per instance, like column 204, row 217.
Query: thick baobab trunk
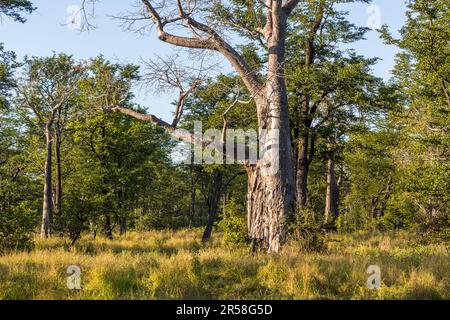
column 270, row 202
column 47, row 199
column 332, row 196
column 270, row 197
column 213, row 205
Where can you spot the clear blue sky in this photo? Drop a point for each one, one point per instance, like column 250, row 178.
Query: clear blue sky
column 45, row 33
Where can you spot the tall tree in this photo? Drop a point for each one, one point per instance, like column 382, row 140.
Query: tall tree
column 315, row 57
column 49, row 86
column 17, row 190
column 422, row 75
column 270, row 194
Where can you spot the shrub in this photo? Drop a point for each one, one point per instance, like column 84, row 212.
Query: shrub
column 399, row 213
column 234, row 228
column 306, row 231
column 436, row 231
column 16, row 228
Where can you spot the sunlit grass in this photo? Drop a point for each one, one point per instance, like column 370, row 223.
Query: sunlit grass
column 174, row 265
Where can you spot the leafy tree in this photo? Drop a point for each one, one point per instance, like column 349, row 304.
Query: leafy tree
column 421, row 74
column 16, row 8
column 120, row 161
column 47, row 89
column 17, row 187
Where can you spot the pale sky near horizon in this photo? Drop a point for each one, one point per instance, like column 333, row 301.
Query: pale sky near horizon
column 45, row 33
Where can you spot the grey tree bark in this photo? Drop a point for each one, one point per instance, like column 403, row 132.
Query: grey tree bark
column 58, row 184
column 332, row 196
column 47, row 205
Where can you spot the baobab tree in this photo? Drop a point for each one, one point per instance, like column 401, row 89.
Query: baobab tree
column 270, row 198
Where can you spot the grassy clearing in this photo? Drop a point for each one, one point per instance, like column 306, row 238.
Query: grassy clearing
column 173, row 265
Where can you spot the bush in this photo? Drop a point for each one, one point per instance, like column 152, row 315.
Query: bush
column 399, row 214
column 436, row 231
column 306, row 231
column 16, row 228
column 234, row 228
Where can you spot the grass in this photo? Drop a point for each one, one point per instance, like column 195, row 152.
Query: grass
column 173, row 265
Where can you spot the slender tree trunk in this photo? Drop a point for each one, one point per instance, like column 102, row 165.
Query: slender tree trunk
column 303, row 156
column 47, row 199
column 332, row 197
column 213, row 205
column 107, row 228
column 121, row 220
column 193, row 194
column 122, row 226
column 302, row 171
column 58, row 187
column 270, row 197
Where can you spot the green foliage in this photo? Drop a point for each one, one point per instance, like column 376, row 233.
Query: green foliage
column 234, row 228
column 17, row 228
column 306, row 231
column 164, row 221
column 233, row 223
column 435, row 231
column 16, row 8
column 400, row 213
column 8, row 65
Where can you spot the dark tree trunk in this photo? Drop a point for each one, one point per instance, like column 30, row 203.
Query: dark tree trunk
column 122, row 220
column 332, row 196
column 47, row 199
column 122, row 226
column 107, row 229
column 213, row 205
column 305, row 144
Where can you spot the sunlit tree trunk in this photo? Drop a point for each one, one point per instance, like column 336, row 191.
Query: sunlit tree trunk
column 270, row 198
column 58, row 186
column 47, row 199
column 332, row 196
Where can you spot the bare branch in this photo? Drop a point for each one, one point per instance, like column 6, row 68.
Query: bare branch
column 211, row 41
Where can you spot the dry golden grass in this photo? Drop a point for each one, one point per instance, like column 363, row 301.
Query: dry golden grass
column 174, row 265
